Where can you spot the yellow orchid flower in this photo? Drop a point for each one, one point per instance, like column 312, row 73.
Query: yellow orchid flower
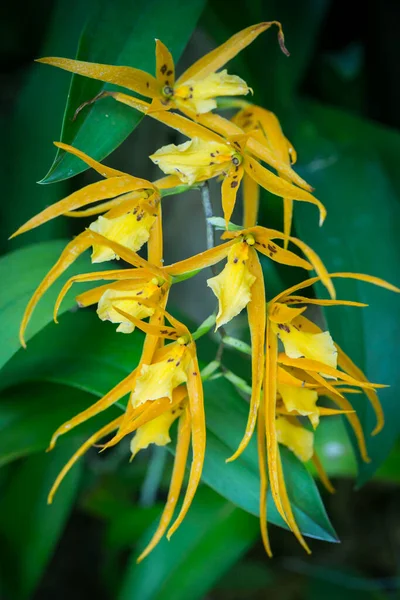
column 196, row 89
column 281, row 313
column 265, row 127
column 237, row 149
column 302, row 400
column 130, row 216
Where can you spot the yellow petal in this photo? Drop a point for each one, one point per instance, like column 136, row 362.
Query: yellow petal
column 300, row 400
column 201, row 260
column 194, row 160
column 155, row 432
column 80, row 452
column 322, row 474
column 100, row 190
column 262, row 464
column 112, row 298
column 118, row 392
column 69, row 255
column 217, row 58
column 232, row 286
column 159, row 379
column 278, row 186
column 165, row 68
column 131, row 230
column 94, row 164
column 280, row 313
column 298, row 439
column 251, row 199
column 230, row 187
column 128, row 77
column 256, row 310
column 278, row 254
column 300, row 344
column 199, row 95
column 198, row 423
column 181, row 455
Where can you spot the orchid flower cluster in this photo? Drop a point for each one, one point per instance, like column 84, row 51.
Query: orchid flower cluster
column 294, row 362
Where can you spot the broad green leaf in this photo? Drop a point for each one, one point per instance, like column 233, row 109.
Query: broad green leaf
column 21, row 271
column 31, row 129
column 29, row 415
column 99, row 358
column 29, row 528
column 214, row 536
column 359, row 235
column 119, row 33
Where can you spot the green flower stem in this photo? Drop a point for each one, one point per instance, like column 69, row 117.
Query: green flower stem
column 237, row 344
column 204, row 327
column 226, row 103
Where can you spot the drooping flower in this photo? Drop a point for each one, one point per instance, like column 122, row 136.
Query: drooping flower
column 131, row 207
column 318, row 372
column 157, row 398
column 196, row 89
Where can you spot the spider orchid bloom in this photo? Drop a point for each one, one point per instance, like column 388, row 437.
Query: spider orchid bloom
column 235, row 156
column 264, row 126
column 150, row 424
column 196, row 89
column 130, row 216
column 281, row 313
column 161, row 370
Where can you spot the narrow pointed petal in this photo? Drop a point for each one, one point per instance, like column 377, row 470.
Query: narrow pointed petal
column 133, row 79
column 94, row 164
column 181, row 124
column 305, row 300
column 230, row 186
column 322, row 474
column 217, row 58
column 123, row 277
column 155, row 250
column 95, row 210
column 353, row 420
column 319, row 367
column 201, row 260
column 270, row 390
column 358, row 276
column 80, row 452
column 196, row 405
column 279, row 255
column 287, row 219
column 128, row 255
column 178, row 473
column 118, row 392
column 262, row 464
column 287, row 507
column 167, row 182
column 262, row 152
column 165, row 67
column 166, row 332
column 135, row 274
column 251, row 200
column 91, row 193
column 347, row 365
column 278, row 186
column 70, row 253
column 257, row 322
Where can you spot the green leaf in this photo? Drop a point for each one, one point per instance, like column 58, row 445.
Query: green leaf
column 32, row 128
column 29, row 528
column 121, row 33
column 359, row 235
column 99, row 359
column 21, row 272
column 215, row 534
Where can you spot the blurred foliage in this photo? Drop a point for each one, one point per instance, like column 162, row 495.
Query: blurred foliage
column 340, row 75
